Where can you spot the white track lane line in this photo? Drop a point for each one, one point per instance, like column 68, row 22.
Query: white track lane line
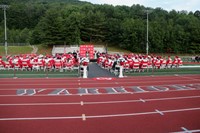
column 161, row 113
column 98, row 83
column 104, row 102
column 188, row 131
column 99, row 116
column 83, row 117
column 145, row 113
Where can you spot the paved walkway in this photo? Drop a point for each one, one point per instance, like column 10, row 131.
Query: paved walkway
column 35, row 49
column 97, row 71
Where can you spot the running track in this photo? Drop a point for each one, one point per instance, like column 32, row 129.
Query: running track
column 107, row 111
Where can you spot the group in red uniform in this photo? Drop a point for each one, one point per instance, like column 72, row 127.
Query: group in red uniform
column 38, row 62
column 137, row 62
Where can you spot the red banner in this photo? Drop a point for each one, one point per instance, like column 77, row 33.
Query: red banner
column 87, row 51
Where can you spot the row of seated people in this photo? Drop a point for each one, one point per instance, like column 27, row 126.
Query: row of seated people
column 137, row 62
column 39, row 62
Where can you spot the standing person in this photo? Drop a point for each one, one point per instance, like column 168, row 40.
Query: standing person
column 84, row 62
column 75, row 54
column 87, row 54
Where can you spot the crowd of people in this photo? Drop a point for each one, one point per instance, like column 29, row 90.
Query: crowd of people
column 39, row 62
column 136, row 62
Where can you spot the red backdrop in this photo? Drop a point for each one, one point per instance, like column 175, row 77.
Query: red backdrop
column 87, row 50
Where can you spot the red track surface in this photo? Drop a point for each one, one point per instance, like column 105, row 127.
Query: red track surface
column 133, row 112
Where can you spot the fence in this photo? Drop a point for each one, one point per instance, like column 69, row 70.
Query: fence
column 15, row 44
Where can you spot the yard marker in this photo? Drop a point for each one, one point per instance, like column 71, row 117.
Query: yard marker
column 82, row 103
column 142, row 100
column 41, row 90
column 188, row 131
column 83, row 117
column 185, row 129
column 161, row 113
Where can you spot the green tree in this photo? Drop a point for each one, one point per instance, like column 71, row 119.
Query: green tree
column 93, row 28
column 50, row 27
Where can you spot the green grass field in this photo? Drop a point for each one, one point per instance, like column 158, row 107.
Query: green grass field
column 173, row 71
column 75, row 73
column 15, row 50
column 37, row 74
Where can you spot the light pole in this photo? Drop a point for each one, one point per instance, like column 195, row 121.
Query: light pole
column 148, row 11
column 4, row 7
column 147, row 44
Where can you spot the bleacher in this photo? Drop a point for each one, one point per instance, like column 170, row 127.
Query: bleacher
column 60, row 49
column 99, row 48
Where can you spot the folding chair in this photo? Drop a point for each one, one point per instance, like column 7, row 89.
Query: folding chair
column 180, row 62
column 163, row 64
column 17, row 66
column 68, row 65
column 136, row 66
column 58, row 65
column 144, row 65
column 126, row 66
column 35, row 66
column 169, row 63
column 2, row 65
column 41, row 64
column 24, row 65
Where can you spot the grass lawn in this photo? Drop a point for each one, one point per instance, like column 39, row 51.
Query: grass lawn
column 37, row 74
column 74, row 73
column 15, row 50
column 117, row 49
column 174, row 71
column 44, row 49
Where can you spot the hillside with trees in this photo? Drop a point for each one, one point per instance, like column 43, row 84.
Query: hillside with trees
column 75, row 22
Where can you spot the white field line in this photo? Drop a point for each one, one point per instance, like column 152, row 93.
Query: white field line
column 92, row 79
column 190, row 78
column 104, row 102
column 100, row 116
column 40, row 118
column 144, row 113
column 188, row 131
column 98, row 83
column 196, row 66
column 146, row 100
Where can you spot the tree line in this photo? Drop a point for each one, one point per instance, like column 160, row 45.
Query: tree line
column 75, row 22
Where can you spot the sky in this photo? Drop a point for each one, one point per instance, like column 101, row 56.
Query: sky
column 178, row 5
